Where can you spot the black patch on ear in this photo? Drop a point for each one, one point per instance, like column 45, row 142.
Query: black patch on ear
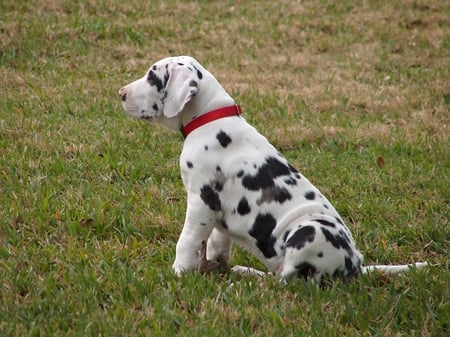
column 153, row 79
column 243, row 207
column 223, row 138
column 262, row 231
column 301, row 237
column 210, row 198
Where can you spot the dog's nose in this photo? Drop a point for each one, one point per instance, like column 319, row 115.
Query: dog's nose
column 123, row 94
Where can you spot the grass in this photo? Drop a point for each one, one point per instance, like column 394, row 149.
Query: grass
column 92, row 203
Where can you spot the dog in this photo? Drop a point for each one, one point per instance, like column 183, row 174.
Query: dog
column 239, row 187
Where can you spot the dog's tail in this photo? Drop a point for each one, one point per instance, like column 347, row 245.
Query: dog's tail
column 393, row 269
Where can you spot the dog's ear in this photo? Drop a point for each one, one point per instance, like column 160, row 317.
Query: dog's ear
column 180, row 88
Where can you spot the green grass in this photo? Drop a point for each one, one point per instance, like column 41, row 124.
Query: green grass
column 91, row 201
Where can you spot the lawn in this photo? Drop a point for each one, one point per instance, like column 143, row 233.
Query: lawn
column 356, row 94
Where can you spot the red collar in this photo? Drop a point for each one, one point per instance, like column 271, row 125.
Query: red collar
column 232, row 110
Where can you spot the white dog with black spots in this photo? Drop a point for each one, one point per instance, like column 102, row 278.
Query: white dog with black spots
column 239, row 187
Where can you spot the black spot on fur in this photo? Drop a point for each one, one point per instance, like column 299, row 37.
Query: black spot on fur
column 310, row 195
column 210, row 198
column 350, row 268
column 338, row 241
column 266, row 174
column 326, row 206
column 154, row 67
column 320, row 254
column 326, row 223
column 262, row 231
column 199, row 73
column 285, row 235
column 301, row 237
column 153, row 79
column 290, row 181
column 223, row 138
column 206, row 148
column 218, row 185
column 166, row 78
column 278, row 194
column 189, row 164
column 155, row 106
column 240, row 174
column 338, row 272
column 224, row 224
column 305, row 270
column 292, row 168
column 163, row 99
column 243, row 207
column 193, row 83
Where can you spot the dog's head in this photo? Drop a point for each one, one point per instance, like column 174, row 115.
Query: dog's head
column 164, row 90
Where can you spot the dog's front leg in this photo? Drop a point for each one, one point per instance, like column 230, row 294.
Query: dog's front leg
column 197, row 227
column 219, row 246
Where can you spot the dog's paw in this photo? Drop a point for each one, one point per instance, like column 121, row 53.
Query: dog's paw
column 181, row 269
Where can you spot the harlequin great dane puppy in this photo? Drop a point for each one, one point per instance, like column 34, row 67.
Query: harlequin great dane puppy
column 239, row 187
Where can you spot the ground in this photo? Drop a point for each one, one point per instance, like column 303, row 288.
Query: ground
column 354, row 93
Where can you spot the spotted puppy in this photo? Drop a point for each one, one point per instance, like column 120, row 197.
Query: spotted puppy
column 239, row 187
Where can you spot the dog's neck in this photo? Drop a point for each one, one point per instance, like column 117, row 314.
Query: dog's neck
column 211, row 95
